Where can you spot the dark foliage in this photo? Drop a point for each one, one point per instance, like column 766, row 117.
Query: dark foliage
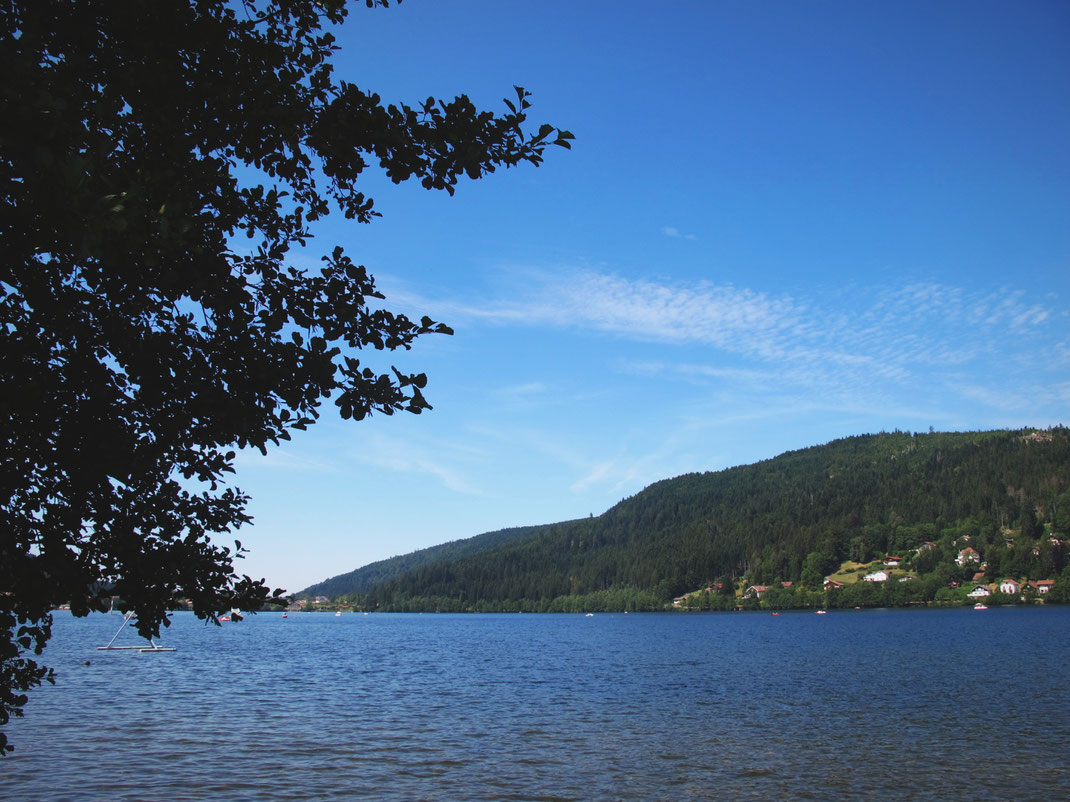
column 159, row 159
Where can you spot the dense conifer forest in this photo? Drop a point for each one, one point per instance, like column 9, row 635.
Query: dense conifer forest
column 785, row 524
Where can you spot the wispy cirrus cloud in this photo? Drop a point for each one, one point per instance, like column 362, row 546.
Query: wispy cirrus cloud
column 525, row 390
column 712, row 359
column 850, row 344
column 720, row 315
column 277, row 459
column 400, row 455
column 874, row 328
column 987, row 307
column 673, row 231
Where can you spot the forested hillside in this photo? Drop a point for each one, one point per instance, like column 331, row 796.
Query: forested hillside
column 364, row 579
column 793, row 519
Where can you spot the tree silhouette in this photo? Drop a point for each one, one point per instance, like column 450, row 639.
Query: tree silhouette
column 159, row 159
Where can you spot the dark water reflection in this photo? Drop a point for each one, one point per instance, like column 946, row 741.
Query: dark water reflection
column 948, row 704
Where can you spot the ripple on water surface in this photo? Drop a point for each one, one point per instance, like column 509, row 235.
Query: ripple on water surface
column 556, row 707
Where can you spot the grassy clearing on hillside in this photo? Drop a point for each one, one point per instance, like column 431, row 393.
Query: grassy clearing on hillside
column 851, row 572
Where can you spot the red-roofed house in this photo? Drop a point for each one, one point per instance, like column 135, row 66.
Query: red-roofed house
column 1009, row 586
column 755, row 590
column 1043, row 585
column 968, row 555
column 832, row 584
column 892, row 562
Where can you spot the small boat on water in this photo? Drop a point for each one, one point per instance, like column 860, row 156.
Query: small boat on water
column 821, row 612
column 338, row 614
column 980, row 606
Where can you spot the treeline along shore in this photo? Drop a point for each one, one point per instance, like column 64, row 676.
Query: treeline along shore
column 889, row 519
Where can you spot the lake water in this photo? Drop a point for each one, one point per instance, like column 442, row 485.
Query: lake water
column 920, row 704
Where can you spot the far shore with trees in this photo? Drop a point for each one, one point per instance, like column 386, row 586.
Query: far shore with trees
column 880, row 520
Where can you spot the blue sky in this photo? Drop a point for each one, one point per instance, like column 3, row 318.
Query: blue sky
column 781, row 223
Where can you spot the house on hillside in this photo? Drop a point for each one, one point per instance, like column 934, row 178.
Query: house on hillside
column 1010, row 587
column 876, row 576
column 832, row 584
column 893, row 562
column 928, row 545
column 980, row 592
column 1042, row 585
column 968, row 555
column 755, row 591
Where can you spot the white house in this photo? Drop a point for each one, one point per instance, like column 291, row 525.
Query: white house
column 968, row 555
column 1010, row 587
column 876, row 576
column 979, row 592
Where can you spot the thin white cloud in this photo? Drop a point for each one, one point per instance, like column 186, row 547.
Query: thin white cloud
column 597, row 474
column 858, row 347
column 673, row 231
column 401, row 456
column 719, row 315
column 623, row 471
column 704, row 374
column 525, row 390
column 986, row 307
column 277, row 459
column 995, row 397
column 609, row 474
column 1060, row 392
